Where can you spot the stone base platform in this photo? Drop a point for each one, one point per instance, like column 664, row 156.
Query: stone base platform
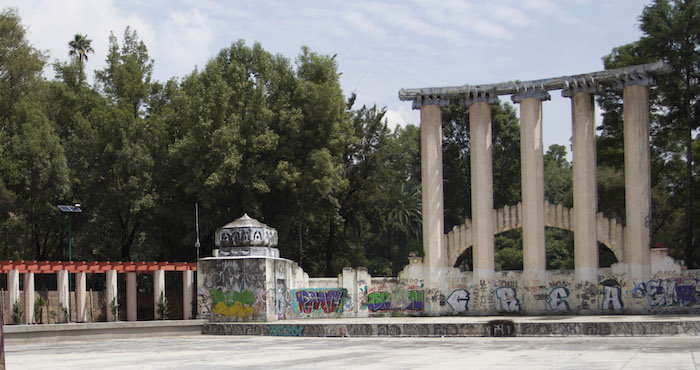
column 493, row 326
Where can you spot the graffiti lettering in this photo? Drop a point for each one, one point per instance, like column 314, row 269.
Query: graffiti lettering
column 379, row 301
column 285, row 330
column 459, row 300
column 327, row 300
column 233, row 304
column 557, row 301
column 508, row 301
column 382, row 301
column 612, row 298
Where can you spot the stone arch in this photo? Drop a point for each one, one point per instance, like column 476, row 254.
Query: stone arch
column 608, row 231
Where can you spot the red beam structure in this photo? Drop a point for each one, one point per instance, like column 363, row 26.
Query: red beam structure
column 63, row 269
column 96, row 267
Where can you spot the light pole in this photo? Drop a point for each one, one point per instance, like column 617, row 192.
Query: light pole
column 70, row 210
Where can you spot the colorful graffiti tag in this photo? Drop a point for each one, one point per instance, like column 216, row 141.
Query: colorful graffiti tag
column 285, row 330
column 382, row 301
column 233, row 304
column 324, row 300
column 669, row 292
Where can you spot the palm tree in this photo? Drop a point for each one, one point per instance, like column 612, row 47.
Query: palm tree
column 79, row 48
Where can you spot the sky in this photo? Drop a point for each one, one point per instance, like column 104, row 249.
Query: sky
column 381, row 46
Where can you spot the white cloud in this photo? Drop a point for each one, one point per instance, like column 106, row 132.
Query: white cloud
column 394, row 119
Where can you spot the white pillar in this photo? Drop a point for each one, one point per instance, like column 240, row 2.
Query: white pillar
column 480, row 127
column 131, row 297
column 63, row 295
column 28, row 297
column 532, row 173
column 431, row 184
column 80, row 297
column 111, row 293
column 637, row 181
column 158, row 289
column 187, row 288
column 585, row 183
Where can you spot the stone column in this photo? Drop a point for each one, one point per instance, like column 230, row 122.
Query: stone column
column 62, row 295
column 28, row 297
column 111, row 294
column 187, row 287
column 532, row 172
column 158, row 289
column 637, row 180
column 131, row 297
column 80, row 297
column 585, row 183
column 431, row 182
column 480, row 127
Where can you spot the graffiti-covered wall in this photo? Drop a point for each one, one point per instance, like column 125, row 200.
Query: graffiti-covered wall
column 268, row 289
column 246, row 289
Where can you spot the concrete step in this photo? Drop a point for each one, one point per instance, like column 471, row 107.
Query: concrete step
column 532, row 326
column 115, row 329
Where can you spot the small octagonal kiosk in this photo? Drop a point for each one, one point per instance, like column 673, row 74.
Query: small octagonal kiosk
column 246, row 281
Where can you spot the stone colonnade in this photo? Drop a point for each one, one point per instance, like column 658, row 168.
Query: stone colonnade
column 110, row 269
column 634, row 81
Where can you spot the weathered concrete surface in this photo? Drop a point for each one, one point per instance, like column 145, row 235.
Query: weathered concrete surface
column 216, row 352
column 89, row 331
column 489, row 326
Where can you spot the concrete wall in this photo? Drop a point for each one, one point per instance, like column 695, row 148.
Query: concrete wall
column 511, row 292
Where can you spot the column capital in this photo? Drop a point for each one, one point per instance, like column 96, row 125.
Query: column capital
column 534, row 92
column 581, row 85
column 480, row 96
column 636, row 80
column 430, row 100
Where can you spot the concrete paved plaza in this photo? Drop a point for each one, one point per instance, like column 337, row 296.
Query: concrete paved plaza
column 250, row 352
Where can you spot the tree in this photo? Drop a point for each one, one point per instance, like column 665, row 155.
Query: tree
column 80, row 46
column 20, row 65
column 672, row 33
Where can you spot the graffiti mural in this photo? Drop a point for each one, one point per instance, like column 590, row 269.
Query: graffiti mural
column 509, row 302
column 233, row 304
column 385, row 301
column 459, row 300
column 556, row 299
column 669, row 292
column 322, row 300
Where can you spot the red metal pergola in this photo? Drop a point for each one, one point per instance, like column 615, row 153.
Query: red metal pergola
column 96, row 267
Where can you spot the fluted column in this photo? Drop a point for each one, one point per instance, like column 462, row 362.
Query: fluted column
column 63, row 294
column 131, row 297
column 158, row 289
column 80, row 297
column 431, row 181
column 585, row 182
column 28, row 297
column 111, row 294
column 480, row 128
column 637, row 180
column 187, row 289
column 532, row 173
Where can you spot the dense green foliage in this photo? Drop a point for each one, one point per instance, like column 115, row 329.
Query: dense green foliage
column 671, row 32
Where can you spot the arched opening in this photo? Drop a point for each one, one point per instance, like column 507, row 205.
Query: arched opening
column 606, row 257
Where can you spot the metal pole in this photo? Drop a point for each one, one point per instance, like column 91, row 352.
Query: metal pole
column 70, row 258
column 196, row 220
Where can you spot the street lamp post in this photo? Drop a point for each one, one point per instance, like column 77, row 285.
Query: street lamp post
column 70, row 210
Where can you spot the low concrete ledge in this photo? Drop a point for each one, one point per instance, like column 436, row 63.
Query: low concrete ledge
column 626, row 326
column 115, row 329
